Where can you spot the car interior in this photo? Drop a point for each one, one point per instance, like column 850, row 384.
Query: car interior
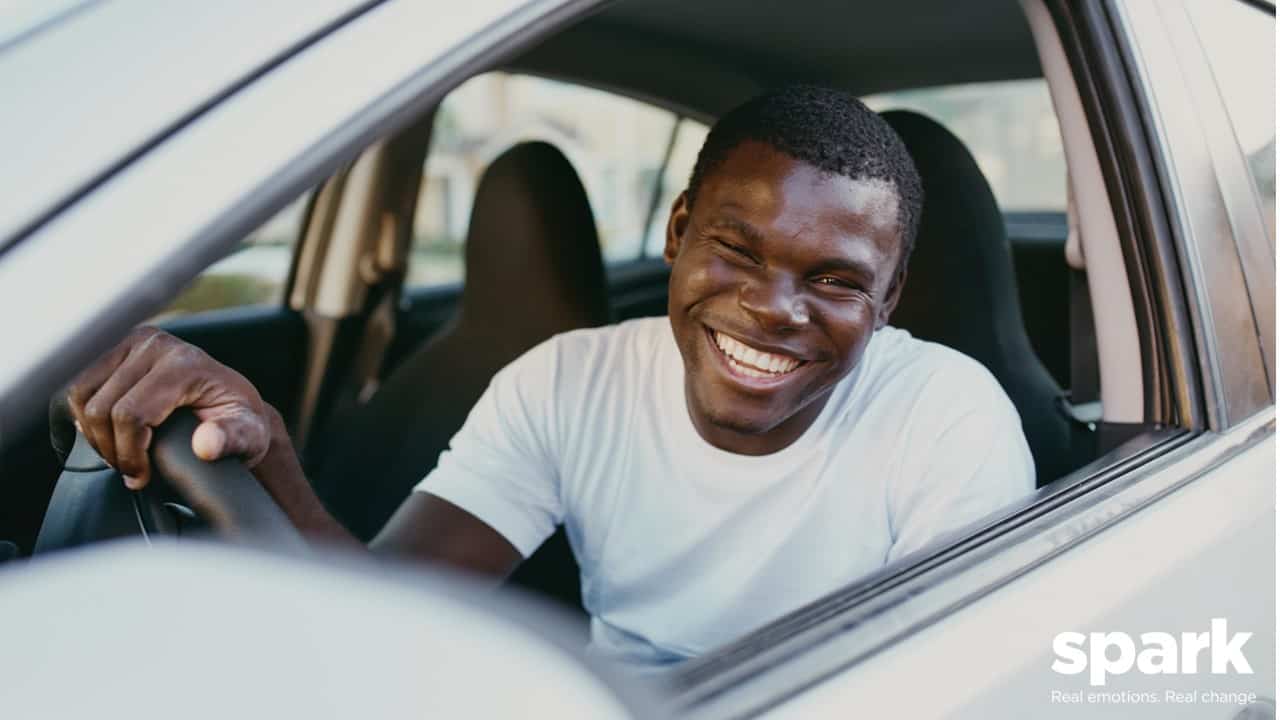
column 375, row 374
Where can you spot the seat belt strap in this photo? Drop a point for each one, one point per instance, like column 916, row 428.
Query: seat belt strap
column 1081, row 403
column 379, row 332
column 385, row 272
column 1084, row 343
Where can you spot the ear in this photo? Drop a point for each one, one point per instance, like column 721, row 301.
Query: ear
column 891, row 300
column 676, row 225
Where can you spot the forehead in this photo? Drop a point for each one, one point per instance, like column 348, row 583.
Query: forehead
column 794, row 196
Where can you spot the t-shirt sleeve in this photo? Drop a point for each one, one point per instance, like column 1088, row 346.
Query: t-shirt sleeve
column 500, row 466
column 969, row 462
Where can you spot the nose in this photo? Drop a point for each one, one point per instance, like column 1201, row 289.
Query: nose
column 773, row 301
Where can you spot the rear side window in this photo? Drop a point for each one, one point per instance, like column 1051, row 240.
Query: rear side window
column 632, row 158
column 1010, row 128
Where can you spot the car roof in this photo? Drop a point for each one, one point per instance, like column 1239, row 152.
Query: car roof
column 710, row 55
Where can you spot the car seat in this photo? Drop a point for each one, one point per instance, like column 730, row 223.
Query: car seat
column 533, row 269
column 961, row 290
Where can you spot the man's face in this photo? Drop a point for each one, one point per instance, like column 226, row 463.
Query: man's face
column 780, row 275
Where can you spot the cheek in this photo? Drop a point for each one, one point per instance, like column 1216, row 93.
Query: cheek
column 850, row 330
column 699, row 280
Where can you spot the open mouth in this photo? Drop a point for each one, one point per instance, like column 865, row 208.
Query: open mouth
column 747, row 361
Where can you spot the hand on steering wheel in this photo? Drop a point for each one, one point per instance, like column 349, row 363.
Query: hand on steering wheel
column 197, row 405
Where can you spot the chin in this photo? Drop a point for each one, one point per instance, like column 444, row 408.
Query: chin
column 740, row 425
column 743, row 423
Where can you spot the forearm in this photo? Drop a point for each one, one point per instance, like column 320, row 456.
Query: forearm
column 281, row 474
column 425, row 528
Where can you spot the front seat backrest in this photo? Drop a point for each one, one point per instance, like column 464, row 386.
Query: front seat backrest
column 961, row 290
column 533, row 269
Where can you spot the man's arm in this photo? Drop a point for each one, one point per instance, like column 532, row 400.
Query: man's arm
column 133, row 388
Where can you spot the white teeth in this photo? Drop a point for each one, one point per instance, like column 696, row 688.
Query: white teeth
column 752, row 362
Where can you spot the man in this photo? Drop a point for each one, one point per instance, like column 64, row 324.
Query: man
column 770, row 441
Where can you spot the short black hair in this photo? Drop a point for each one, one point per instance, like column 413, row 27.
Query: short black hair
column 829, row 129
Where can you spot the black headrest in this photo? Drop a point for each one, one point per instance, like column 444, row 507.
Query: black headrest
column 532, row 254
column 961, row 290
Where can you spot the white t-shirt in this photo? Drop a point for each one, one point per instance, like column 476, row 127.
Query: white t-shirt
column 683, row 546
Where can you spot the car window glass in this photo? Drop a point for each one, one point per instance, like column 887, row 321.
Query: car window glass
column 1010, row 128
column 616, row 144
column 254, row 274
column 1240, row 44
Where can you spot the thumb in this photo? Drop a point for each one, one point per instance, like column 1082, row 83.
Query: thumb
column 209, row 442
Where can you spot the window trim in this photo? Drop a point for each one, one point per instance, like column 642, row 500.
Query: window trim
column 1241, row 194
column 1177, row 151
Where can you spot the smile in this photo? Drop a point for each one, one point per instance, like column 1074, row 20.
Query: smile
column 753, row 362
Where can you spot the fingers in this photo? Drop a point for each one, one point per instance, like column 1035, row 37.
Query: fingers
column 103, row 410
column 209, row 442
column 93, row 418
column 132, row 389
column 177, row 378
column 91, row 378
column 147, row 404
column 236, row 430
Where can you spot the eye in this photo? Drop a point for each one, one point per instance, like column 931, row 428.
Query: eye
column 838, row 287
column 736, row 250
column 835, row 282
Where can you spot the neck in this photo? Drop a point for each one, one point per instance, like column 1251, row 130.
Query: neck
column 741, row 441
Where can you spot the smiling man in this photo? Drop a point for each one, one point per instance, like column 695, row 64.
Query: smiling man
column 770, row 441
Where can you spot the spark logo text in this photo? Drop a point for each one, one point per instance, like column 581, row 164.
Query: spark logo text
column 1115, row 653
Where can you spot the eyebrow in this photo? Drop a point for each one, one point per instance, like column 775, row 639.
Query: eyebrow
column 742, row 227
column 862, row 270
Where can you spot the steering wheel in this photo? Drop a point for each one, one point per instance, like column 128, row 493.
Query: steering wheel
column 186, row 495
